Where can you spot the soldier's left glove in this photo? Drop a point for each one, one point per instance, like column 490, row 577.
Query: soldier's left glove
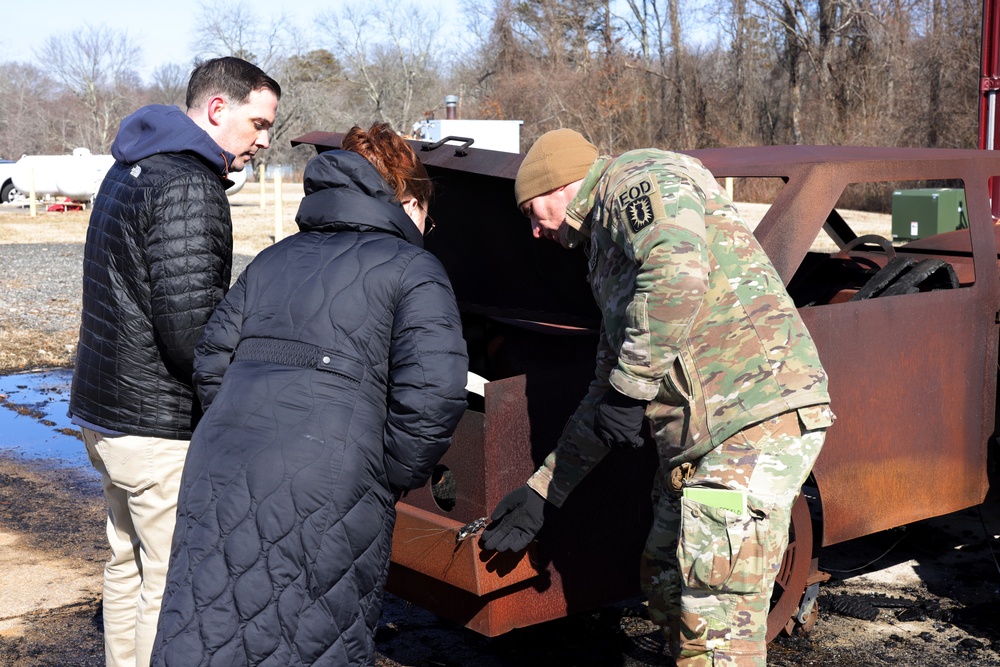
column 516, row 520
column 618, row 422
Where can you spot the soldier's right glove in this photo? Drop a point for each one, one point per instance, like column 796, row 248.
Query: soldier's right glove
column 618, row 422
column 516, row 520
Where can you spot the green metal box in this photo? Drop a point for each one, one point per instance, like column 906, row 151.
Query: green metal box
column 927, row 211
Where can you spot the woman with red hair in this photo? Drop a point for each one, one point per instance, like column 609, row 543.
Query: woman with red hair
column 332, row 375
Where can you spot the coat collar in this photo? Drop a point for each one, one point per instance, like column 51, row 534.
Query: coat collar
column 344, row 191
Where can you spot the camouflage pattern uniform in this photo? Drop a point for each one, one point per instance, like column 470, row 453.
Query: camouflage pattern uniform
column 697, row 321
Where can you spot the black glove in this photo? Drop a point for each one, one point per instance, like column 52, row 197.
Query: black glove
column 618, row 422
column 516, row 520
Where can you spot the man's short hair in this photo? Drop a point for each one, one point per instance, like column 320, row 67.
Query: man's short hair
column 233, row 78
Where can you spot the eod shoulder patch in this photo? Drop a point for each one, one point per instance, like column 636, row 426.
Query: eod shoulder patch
column 639, row 202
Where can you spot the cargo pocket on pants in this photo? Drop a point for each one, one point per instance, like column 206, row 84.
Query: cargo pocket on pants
column 722, row 551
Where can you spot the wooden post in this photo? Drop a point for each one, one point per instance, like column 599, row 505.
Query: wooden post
column 729, row 187
column 263, row 194
column 277, row 206
column 31, row 194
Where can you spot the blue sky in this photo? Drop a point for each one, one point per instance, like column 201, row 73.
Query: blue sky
column 163, row 28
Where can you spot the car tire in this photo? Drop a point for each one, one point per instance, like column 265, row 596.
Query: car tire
column 9, row 192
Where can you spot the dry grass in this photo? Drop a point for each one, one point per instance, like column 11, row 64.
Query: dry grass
column 27, row 349
column 17, row 227
column 862, row 222
column 254, row 227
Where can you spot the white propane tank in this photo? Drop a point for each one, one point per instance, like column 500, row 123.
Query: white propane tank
column 239, row 179
column 77, row 176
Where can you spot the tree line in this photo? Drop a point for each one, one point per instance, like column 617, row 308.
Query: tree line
column 628, row 73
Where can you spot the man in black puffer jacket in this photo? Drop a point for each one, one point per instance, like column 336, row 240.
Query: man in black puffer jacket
column 157, row 261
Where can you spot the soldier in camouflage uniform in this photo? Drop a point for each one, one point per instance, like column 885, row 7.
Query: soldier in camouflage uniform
column 702, row 346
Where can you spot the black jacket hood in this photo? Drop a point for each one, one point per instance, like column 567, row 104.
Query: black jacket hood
column 344, row 191
column 158, row 128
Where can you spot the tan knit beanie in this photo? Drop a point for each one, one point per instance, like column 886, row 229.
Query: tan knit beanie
column 557, row 158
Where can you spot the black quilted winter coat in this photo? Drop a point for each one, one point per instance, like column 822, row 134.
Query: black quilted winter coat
column 333, row 376
column 156, row 264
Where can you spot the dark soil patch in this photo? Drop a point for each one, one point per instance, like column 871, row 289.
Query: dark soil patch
column 57, row 509
column 71, row 636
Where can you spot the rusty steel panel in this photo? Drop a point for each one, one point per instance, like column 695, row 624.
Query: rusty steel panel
column 949, row 245
column 600, row 529
column 912, row 377
column 909, row 441
column 418, row 545
column 817, row 175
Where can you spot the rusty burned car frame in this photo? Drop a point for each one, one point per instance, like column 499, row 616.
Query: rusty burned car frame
column 912, row 380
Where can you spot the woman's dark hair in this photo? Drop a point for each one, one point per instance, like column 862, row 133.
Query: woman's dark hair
column 231, row 77
column 394, row 160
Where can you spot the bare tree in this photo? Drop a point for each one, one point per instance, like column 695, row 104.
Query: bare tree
column 747, row 49
column 552, row 63
column 228, row 28
column 646, row 23
column 656, row 28
column 563, row 30
column 389, row 56
column 169, row 85
column 313, row 97
column 26, row 106
column 881, row 72
column 95, row 65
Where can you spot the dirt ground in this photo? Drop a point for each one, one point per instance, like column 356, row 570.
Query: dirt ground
column 920, row 595
column 923, row 594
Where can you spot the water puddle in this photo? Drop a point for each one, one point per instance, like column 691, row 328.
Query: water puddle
column 33, row 421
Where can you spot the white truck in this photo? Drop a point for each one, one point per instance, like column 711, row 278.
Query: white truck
column 8, row 192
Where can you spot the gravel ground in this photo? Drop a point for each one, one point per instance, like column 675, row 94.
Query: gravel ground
column 41, row 261
column 42, row 283
column 40, row 303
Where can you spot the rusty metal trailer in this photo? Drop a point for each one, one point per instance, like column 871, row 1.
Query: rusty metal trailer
column 912, row 378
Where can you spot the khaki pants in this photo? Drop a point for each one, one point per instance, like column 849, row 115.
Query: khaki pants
column 141, row 479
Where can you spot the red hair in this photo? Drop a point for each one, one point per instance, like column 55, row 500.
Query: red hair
column 394, row 160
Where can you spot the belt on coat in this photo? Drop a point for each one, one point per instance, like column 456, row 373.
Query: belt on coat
column 298, row 354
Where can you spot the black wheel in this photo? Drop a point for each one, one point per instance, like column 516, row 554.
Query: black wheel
column 9, row 192
column 790, row 583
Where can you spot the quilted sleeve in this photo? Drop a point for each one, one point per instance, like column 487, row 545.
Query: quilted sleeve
column 214, row 351
column 189, row 250
column 428, row 371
